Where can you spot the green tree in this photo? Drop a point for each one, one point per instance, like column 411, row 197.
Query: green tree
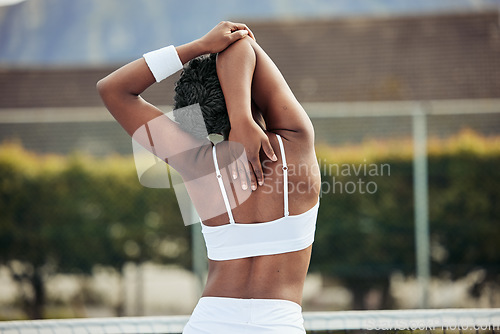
column 465, row 216
column 362, row 239
column 82, row 213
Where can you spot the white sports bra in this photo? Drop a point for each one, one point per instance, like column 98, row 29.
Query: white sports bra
column 283, row 235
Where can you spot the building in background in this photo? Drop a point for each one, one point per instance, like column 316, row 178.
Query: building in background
column 340, row 69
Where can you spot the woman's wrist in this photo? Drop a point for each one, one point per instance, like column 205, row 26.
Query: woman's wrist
column 191, row 50
column 240, row 119
column 168, row 60
column 163, row 62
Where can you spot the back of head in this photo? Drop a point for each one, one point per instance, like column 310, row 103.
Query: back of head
column 199, row 84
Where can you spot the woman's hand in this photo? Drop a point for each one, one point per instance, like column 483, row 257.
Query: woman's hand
column 248, row 167
column 222, row 35
column 216, row 40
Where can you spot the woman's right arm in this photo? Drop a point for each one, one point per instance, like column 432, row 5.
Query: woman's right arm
column 246, row 73
column 270, row 91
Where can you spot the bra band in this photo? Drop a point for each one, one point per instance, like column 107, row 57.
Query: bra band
column 285, row 176
column 221, row 186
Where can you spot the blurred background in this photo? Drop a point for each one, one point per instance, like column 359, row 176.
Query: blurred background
column 405, row 99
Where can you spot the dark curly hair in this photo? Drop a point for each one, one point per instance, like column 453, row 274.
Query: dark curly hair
column 199, row 84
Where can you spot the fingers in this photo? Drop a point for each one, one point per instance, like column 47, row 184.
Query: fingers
column 246, row 172
column 251, row 169
column 243, row 173
column 253, row 181
column 234, row 169
column 268, row 149
column 256, row 173
column 237, row 167
column 237, row 35
column 243, row 170
column 240, row 27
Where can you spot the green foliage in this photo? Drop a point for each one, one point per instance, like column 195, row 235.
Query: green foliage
column 363, row 234
column 464, row 211
column 76, row 212
column 67, row 214
column 362, row 238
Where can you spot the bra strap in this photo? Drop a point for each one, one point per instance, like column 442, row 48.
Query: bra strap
column 221, row 186
column 285, row 175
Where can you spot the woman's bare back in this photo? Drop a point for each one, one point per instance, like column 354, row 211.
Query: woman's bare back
column 278, row 276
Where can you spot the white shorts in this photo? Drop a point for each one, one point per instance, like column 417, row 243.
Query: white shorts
column 219, row 315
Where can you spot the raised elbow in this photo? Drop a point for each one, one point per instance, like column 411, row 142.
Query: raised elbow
column 106, row 90
column 102, row 86
column 238, row 53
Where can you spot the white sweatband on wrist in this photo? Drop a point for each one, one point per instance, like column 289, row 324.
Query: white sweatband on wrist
column 163, row 62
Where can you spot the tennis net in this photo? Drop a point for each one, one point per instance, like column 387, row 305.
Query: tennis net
column 390, row 321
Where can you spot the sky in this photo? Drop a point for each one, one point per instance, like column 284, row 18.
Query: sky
column 9, row 2
column 100, row 32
